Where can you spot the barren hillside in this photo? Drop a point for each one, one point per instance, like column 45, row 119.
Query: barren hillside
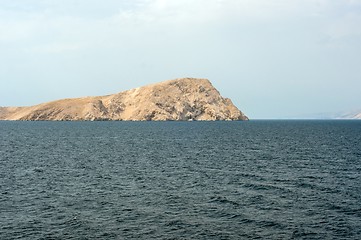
column 179, row 100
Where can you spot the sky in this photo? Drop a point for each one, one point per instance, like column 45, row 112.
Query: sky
column 273, row 58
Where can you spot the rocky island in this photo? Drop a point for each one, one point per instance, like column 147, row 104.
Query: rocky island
column 183, row 99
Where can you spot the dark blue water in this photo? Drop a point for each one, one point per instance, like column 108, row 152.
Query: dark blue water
column 180, row 180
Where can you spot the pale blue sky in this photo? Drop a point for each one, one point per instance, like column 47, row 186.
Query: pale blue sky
column 273, row 58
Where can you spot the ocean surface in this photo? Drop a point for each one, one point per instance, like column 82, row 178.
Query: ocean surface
column 180, row 180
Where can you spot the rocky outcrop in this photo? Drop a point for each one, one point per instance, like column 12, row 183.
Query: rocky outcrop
column 175, row 100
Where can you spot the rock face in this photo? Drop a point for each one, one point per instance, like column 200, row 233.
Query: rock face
column 175, row 100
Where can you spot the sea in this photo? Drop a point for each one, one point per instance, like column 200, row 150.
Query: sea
column 258, row 179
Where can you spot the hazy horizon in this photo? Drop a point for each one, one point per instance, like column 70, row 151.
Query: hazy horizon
column 274, row 59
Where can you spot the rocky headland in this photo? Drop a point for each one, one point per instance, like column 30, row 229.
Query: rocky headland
column 184, row 99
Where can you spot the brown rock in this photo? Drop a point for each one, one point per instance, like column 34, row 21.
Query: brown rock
column 175, row 100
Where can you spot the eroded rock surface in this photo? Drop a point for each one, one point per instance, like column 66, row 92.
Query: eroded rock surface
column 174, row 100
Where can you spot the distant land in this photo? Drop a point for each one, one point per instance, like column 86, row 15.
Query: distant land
column 356, row 114
column 183, row 99
column 350, row 115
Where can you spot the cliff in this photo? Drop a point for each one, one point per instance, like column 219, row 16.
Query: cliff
column 179, row 100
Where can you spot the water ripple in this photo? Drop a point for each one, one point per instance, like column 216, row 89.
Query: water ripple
column 171, row 180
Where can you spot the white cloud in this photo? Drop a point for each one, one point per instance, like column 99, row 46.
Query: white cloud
column 55, row 18
column 145, row 24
